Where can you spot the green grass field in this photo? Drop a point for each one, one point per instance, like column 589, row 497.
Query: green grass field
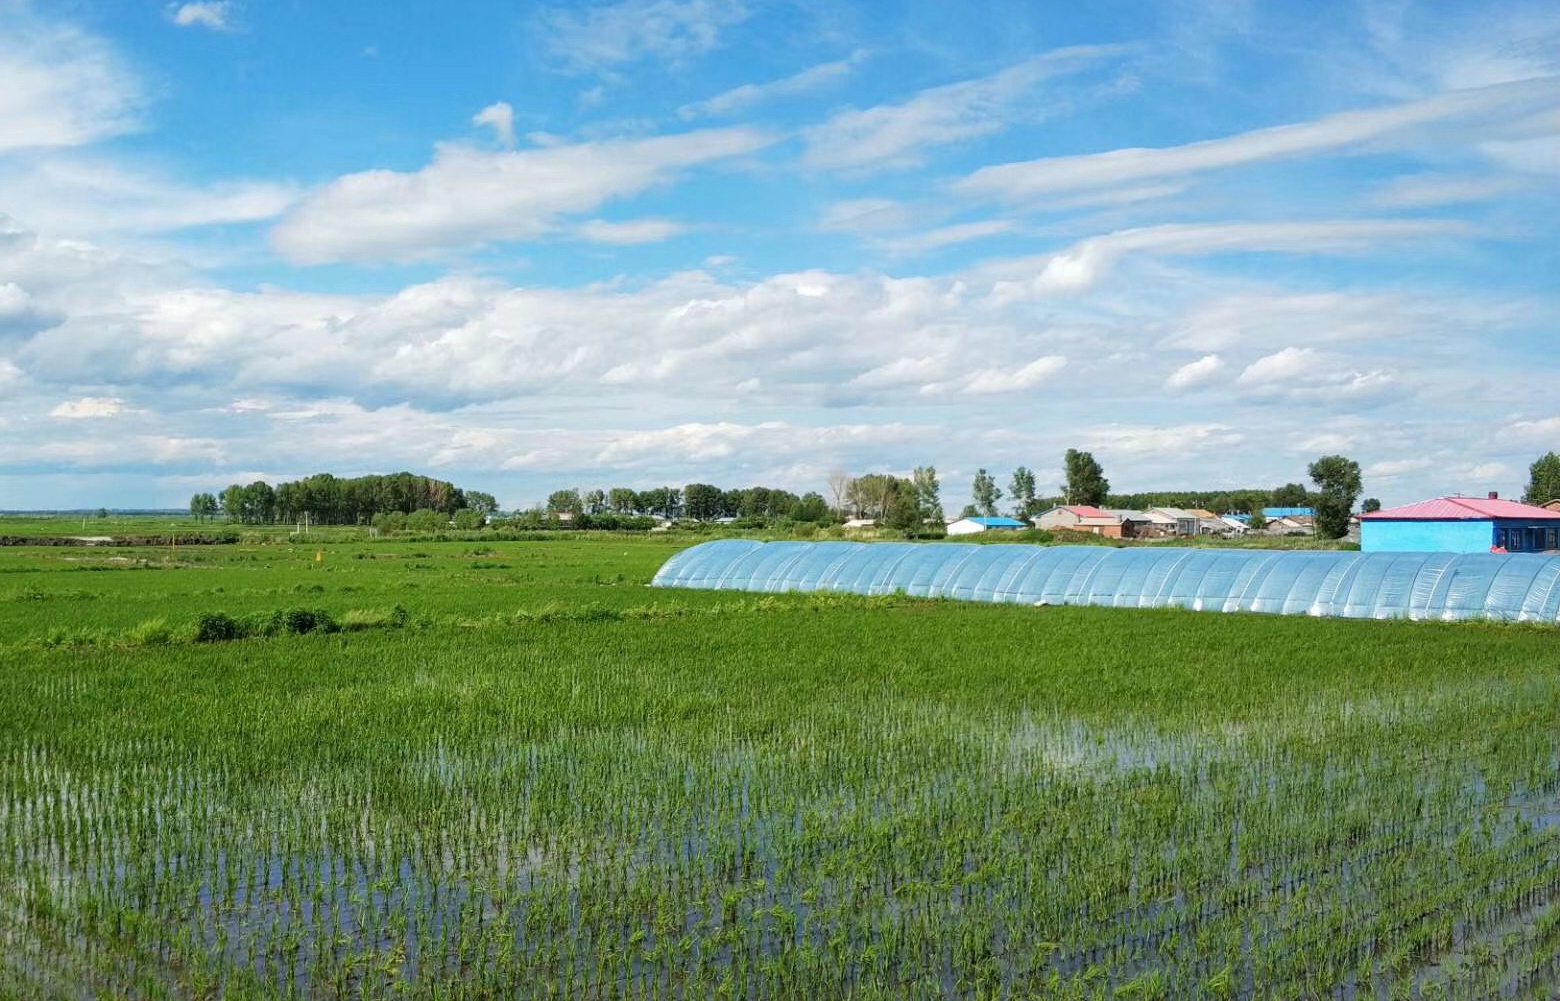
column 541, row 778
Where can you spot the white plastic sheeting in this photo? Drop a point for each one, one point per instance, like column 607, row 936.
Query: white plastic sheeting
column 1446, row 586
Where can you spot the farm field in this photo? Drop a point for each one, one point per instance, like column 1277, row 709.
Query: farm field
column 510, row 769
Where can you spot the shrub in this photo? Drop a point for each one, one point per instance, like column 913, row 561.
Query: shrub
column 216, row 627
column 302, row 621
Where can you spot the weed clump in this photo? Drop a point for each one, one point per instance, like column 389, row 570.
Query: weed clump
column 302, row 621
column 216, row 627
column 152, row 632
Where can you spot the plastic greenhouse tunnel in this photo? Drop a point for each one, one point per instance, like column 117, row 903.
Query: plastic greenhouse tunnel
column 1429, row 586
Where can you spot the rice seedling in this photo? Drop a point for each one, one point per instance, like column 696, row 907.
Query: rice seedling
column 554, row 788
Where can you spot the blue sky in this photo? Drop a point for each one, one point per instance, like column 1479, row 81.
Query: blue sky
column 754, row 241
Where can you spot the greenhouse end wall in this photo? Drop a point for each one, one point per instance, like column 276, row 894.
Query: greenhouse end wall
column 1428, row 586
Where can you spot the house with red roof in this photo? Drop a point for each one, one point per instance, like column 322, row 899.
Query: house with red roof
column 1080, row 518
column 1462, row 525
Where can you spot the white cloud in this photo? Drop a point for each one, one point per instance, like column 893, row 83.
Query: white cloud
column 897, row 135
column 500, row 117
column 87, row 197
column 1425, row 190
column 213, row 14
column 1181, row 439
column 1195, row 373
column 1376, row 128
column 60, row 86
column 1305, row 375
column 1543, row 431
column 468, row 197
column 1393, row 468
column 988, row 381
column 946, row 236
column 747, row 95
column 89, row 407
column 631, row 232
column 1082, row 265
column 1281, row 366
column 604, row 36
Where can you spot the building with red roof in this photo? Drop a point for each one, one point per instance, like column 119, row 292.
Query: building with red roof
column 1462, row 525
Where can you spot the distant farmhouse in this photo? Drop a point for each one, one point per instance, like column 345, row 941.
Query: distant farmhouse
column 1080, row 518
column 1462, row 525
column 1122, row 523
column 974, row 526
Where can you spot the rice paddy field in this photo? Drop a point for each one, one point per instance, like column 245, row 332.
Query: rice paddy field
column 441, row 770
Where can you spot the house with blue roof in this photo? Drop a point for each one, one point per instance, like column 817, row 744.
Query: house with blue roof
column 974, row 526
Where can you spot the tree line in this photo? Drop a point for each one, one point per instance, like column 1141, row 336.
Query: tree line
column 324, row 499
column 911, row 504
column 696, row 501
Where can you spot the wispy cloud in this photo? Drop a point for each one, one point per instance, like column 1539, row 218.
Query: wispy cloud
column 469, row 197
column 1426, row 190
column 1350, row 130
column 215, row 15
column 60, row 86
column 748, row 95
column 1083, row 264
column 600, row 38
column 499, row 117
column 631, row 232
column 898, row 135
column 946, row 236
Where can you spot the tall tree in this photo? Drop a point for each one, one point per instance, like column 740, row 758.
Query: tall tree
column 1292, row 495
column 565, row 502
column 904, row 513
column 1370, row 505
column 701, row 501
column 623, row 500
column 1086, row 482
column 928, row 493
column 839, row 489
column 810, row 507
column 483, row 504
column 985, row 493
column 872, row 495
column 203, row 506
column 1022, row 492
column 1338, row 482
column 1544, row 480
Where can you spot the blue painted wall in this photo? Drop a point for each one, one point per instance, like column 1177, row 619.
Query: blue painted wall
column 1427, row 536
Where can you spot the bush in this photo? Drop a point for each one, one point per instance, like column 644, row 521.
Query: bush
column 302, row 621
column 216, row 627
column 426, row 520
column 390, row 521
